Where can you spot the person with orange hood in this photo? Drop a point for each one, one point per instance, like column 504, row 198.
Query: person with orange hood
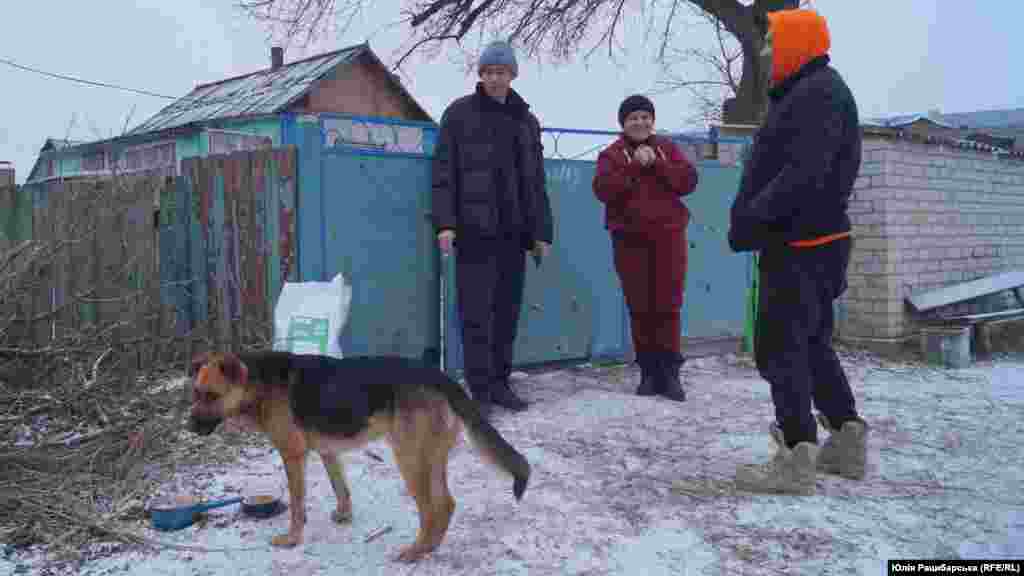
column 792, row 208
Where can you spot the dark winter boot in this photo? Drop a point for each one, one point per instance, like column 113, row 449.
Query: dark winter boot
column 482, row 396
column 648, row 382
column 671, row 387
column 502, row 395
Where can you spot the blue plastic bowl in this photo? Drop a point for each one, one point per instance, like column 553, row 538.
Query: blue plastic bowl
column 168, row 518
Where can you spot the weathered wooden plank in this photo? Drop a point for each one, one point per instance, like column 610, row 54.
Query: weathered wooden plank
column 967, row 290
column 210, row 246
column 146, row 255
column 91, row 309
column 230, row 281
column 64, row 222
column 218, row 311
column 42, row 289
column 199, row 270
column 258, row 282
column 183, row 251
column 166, row 266
column 244, row 224
column 153, row 296
column 190, row 243
column 70, row 230
column 109, row 253
column 262, row 241
column 78, row 265
column 139, row 251
column 273, row 223
column 118, row 246
column 42, row 278
column 287, row 182
column 174, row 258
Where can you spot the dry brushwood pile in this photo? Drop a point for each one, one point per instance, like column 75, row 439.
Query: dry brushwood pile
column 90, row 408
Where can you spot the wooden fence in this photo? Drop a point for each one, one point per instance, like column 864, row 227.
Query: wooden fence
column 87, row 279
column 229, row 244
column 149, row 268
column 15, row 216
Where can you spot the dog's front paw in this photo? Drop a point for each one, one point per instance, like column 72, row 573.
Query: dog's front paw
column 342, row 516
column 413, row 553
column 288, row 540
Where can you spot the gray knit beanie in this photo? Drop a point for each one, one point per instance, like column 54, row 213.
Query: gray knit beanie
column 499, row 53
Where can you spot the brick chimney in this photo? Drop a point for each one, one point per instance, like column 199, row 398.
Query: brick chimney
column 6, row 173
column 276, row 57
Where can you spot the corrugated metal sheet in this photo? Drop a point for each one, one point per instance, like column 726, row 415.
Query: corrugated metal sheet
column 973, row 120
column 264, row 92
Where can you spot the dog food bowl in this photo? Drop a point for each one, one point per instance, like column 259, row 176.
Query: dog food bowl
column 262, row 506
column 168, row 517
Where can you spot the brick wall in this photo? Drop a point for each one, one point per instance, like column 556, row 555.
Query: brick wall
column 927, row 216
column 360, row 89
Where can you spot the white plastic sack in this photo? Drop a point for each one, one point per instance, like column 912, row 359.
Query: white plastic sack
column 310, row 316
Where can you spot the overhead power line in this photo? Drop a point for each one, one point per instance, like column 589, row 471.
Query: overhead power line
column 83, row 81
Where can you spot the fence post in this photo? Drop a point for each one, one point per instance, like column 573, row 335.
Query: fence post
column 121, row 347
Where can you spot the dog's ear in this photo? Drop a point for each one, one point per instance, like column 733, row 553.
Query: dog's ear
column 198, row 361
column 234, row 370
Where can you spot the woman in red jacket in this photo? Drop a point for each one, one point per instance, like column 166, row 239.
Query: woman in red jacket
column 640, row 179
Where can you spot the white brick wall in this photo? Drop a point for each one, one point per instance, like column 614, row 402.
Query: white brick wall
column 926, row 216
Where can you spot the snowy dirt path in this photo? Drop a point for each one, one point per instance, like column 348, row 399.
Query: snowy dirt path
column 630, row 485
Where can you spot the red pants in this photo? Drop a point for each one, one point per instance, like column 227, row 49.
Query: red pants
column 652, row 270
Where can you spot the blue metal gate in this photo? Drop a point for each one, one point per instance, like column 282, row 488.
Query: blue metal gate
column 366, row 214
column 378, row 234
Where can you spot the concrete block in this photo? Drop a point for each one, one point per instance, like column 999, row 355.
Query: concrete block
column 948, row 347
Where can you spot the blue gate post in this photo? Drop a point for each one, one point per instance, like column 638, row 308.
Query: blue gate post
column 309, row 212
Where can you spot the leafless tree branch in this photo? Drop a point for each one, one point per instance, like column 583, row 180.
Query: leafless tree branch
column 561, row 29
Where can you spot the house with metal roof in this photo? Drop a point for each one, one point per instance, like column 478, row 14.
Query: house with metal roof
column 995, row 129
column 356, row 99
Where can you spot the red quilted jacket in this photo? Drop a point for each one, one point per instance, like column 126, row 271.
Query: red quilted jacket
column 642, row 197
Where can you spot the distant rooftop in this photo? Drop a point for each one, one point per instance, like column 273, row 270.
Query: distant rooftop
column 980, row 120
column 264, row 92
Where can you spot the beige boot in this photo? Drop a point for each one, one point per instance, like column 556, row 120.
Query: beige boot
column 789, row 472
column 845, row 451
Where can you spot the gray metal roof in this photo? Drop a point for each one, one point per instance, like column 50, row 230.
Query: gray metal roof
column 1013, row 117
column 264, row 92
column 987, row 118
column 59, row 144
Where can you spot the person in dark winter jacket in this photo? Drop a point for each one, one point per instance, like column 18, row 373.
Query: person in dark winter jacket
column 640, row 179
column 490, row 201
column 792, row 207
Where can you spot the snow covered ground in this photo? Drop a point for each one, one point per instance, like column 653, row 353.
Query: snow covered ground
column 630, row 485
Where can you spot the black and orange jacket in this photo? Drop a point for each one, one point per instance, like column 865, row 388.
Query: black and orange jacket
column 640, row 197
column 800, row 171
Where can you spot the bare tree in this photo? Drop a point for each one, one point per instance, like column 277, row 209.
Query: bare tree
column 555, row 28
column 721, row 74
column 718, row 80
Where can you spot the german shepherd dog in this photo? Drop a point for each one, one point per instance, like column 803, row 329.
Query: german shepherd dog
column 327, row 405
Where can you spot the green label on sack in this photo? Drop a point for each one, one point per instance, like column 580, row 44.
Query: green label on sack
column 307, row 335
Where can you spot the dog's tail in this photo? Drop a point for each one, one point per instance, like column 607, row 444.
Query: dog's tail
column 493, row 448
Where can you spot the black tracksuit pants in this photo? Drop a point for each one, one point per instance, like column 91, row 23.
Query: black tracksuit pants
column 490, row 276
column 793, row 336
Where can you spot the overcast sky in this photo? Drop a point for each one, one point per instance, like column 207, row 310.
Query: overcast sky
column 899, row 56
